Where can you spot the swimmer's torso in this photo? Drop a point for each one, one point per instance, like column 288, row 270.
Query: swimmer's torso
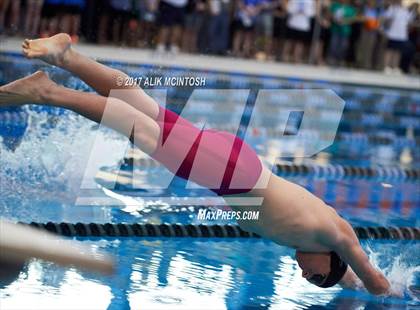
column 286, row 220
column 224, row 163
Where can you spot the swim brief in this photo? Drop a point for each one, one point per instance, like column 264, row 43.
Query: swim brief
column 214, row 159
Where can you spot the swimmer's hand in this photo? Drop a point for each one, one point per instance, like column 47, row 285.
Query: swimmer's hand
column 378, row 290
column 393, row 293
column 378, row 285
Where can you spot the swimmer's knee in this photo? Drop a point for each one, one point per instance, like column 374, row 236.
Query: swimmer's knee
column 145, row 136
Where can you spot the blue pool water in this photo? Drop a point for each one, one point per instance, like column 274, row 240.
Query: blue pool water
column 44, row 153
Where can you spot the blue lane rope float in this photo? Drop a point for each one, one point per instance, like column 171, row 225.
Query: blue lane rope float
column 340, row 172
column 378, row 136
column 199, row 231
column 328, row 172
column 363, row 139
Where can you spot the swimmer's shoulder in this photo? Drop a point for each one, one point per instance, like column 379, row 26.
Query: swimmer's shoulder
column 333, row 231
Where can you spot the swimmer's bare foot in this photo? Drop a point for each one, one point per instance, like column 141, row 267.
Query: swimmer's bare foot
column 31, row 89
column 53, row 50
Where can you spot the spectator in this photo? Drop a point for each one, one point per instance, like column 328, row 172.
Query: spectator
column 218, row 26
column 70, row 20
column 3, row 9
column 89, row 21
column 322, row 22
column 300, row 13
column 343, row 14
column 33, row 17
column 384, row 33
column 194, row 22
column 356, row 28
column 368, row 36
column 279, row 27
column 13, row 8
column 103, row 10
column 148, row 18
column 264, row 29
column 124, row 20
column 244, row 25
column 51, row 11
column 171, row 20
column 413, row 44
column 397, row 19
column 382, row 41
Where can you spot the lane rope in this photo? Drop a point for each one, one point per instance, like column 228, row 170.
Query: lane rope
column 314, row 171
column 117, row 230
column 341, row 172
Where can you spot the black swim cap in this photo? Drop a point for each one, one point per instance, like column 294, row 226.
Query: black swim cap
column 338, row 269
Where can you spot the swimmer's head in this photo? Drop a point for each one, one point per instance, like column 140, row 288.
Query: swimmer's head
column 322, row 269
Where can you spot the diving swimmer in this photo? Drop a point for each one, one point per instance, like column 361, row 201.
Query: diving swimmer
column 327, row 249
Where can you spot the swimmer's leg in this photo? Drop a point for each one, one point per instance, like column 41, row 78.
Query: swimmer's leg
column 39, row 89
column 57, row 50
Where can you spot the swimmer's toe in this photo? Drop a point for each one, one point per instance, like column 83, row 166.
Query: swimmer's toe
column 25, row 51
column 25, row 43
column 32, row 54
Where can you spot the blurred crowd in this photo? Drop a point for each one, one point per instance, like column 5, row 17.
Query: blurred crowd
column 367, row 34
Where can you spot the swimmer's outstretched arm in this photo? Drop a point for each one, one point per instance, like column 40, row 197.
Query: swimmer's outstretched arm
column 57, row 50
column 350, row 280
column 345, row 242
column 293, row 216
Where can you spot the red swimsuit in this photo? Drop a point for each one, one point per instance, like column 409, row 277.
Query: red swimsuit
column 214, row 159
